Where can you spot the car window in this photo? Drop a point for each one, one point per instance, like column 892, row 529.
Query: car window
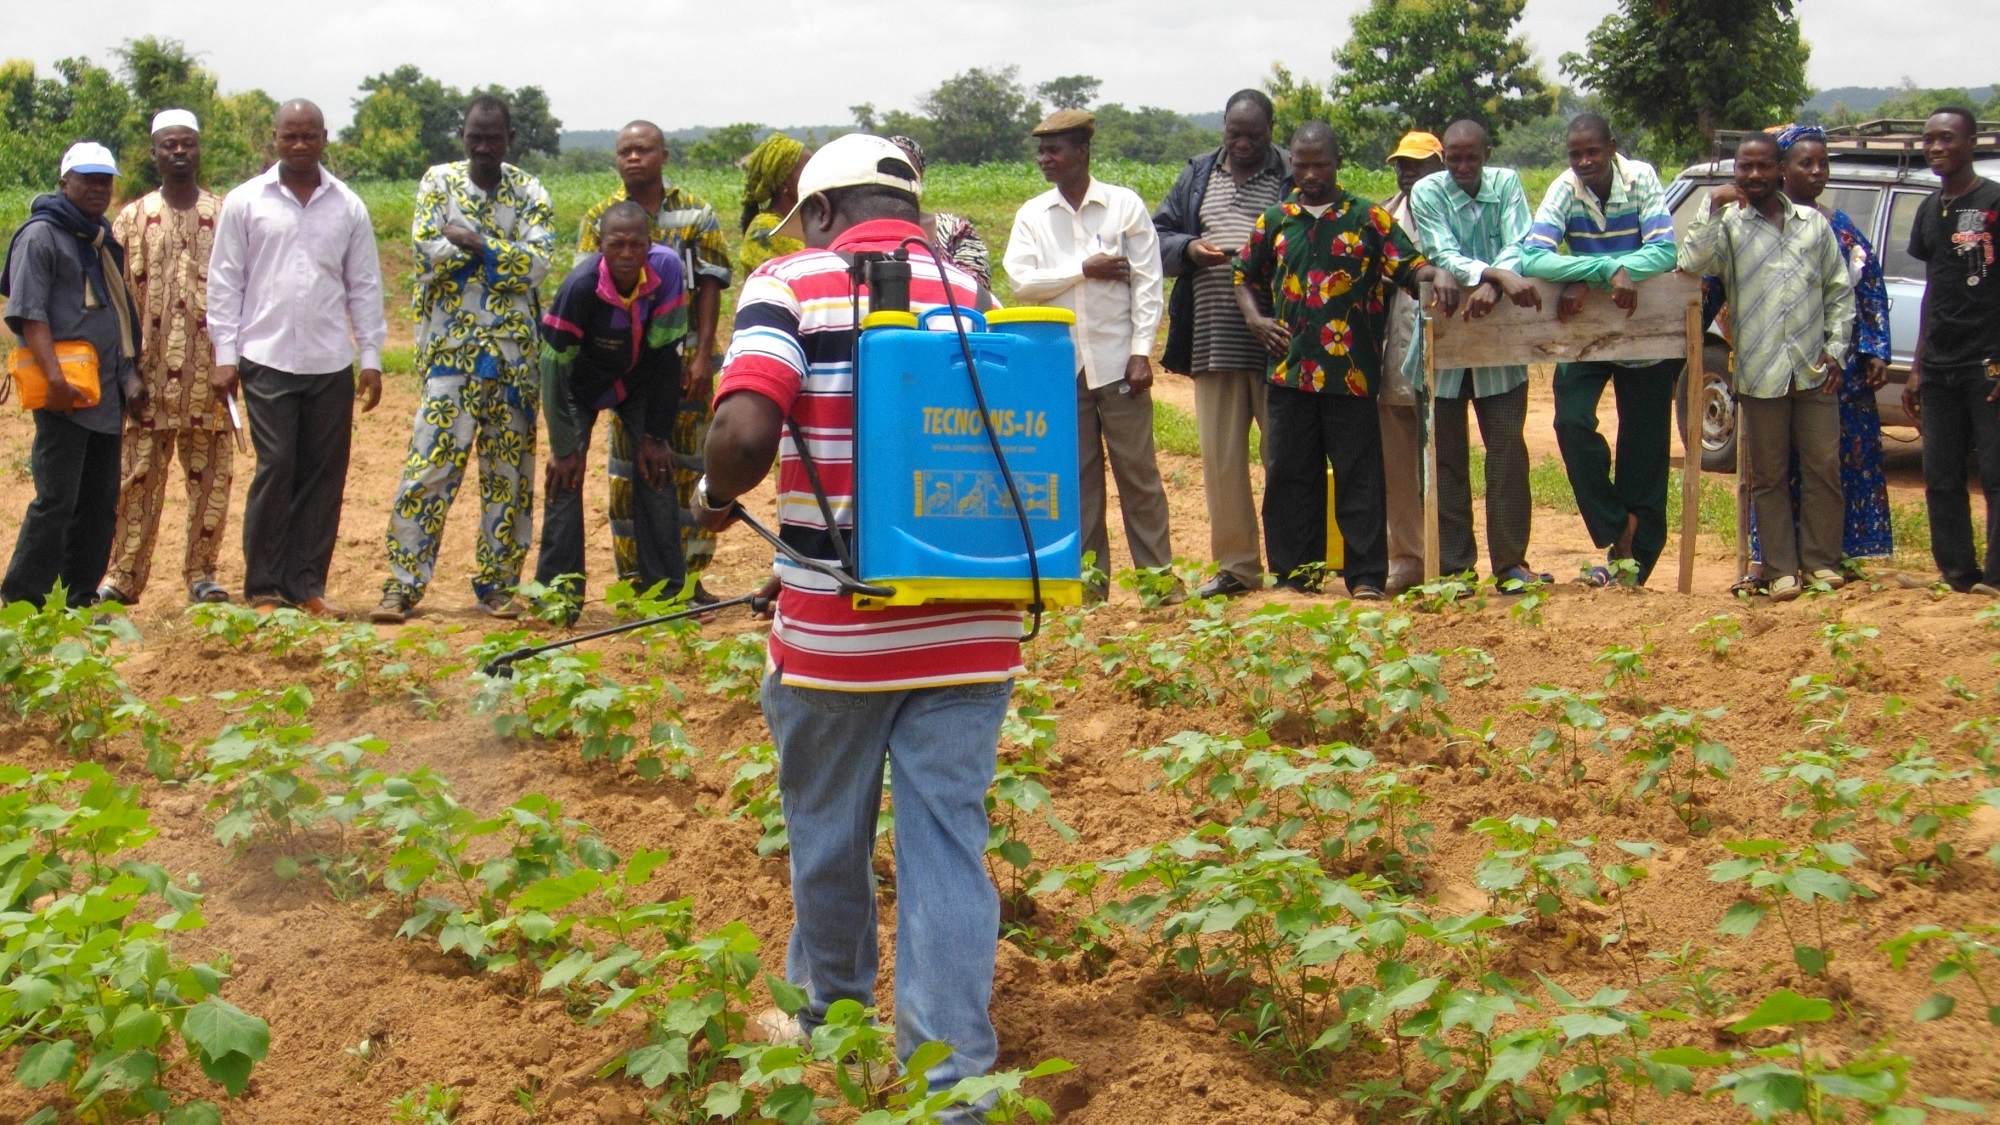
column 1895, row 252
column 1688, row 208
column 1860, row 203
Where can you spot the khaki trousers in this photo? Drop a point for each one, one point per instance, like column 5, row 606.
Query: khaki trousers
column 1118, row 428
column 1402, row 453
column 1225, row 404
column 1807, row 422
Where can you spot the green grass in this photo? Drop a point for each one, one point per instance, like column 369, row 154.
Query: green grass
column 1174, row 432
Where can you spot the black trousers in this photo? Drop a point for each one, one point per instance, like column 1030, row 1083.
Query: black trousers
column 656, row 517
column 1958, row 423
column 303, row 427
column 66, row 533
column 1308, row 431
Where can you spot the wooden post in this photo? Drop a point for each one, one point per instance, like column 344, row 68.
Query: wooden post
column 1691, row 448
column 1432, row 552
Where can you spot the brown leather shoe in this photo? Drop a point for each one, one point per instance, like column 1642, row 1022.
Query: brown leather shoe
column 323, row 609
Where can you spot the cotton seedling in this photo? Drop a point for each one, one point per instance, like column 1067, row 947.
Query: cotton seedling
column 1625, row 668
column 1718, row 634
column 1909, row 796
column 1790, row 1080
column 1674, row 757
column 1774, row 874
column 732, row 667
column 1852, row 649
column 1694, row 982
column 1970, row 953
column 1153, row 585
column 1818, row 782
column 1531, row 866
column 1529, row 602
column 429, row 1104
column 1580, row 725
column 753, row 791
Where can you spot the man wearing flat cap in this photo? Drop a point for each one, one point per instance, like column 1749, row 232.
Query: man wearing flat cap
column 1089, row 246
column 167, row 235
column 66, row 302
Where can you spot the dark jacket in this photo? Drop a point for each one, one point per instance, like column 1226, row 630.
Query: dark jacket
column 1179, row 223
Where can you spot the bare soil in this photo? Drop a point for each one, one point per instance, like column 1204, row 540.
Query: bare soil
column 329, row 973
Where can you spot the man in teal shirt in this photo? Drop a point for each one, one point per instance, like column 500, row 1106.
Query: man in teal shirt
column 1612, row 214
column 1470, row 220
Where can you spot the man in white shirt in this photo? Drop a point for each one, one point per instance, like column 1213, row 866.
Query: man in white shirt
column 294, row 290
column 1089, row 247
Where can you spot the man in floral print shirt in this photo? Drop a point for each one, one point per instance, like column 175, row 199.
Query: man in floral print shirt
column 1310, row 283
column 482, row 232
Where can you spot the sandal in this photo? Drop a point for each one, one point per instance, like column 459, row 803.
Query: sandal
column 1785, row 588
column 207, row 590
column 1598, row 576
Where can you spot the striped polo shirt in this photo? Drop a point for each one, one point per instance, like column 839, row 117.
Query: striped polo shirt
column 1634, row 215
column 794, row 344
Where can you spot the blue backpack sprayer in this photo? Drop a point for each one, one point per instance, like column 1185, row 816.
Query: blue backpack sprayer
column 963, row 495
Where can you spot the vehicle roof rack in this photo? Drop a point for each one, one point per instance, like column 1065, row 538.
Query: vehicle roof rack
column 1899, row 138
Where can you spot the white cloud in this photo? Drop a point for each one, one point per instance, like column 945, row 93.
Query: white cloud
column 793, row 62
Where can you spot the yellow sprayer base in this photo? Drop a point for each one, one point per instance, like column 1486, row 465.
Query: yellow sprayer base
column 929, row 591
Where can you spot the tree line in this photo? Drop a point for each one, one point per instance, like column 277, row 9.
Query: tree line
column 1668, row 73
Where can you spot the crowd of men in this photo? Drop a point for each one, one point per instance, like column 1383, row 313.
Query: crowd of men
column 168, row 331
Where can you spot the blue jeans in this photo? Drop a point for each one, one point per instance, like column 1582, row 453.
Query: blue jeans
column 831, row 749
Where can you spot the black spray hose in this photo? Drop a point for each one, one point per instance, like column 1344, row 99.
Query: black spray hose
column 502, row 666
column 1035, row 606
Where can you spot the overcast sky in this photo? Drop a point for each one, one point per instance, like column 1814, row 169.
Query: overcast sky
column 791, row 62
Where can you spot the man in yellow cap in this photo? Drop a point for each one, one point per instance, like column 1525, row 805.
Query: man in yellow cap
column 1418, row 155
column 1090, row 247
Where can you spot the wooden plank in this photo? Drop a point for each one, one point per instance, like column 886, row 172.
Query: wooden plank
column 1691, row 447
column 1602, row 331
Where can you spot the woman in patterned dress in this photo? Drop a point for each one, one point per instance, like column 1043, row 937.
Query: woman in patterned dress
column 770, row 191
column 951, row 234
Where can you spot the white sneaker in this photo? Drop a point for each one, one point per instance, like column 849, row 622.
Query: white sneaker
column 1832, row 579
column 773, row 1026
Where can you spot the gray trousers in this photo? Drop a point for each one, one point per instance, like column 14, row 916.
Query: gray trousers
column 302, row 426
column 1809, row 422
column 1226, row 404
column 1119, row 428
column 1510, row 508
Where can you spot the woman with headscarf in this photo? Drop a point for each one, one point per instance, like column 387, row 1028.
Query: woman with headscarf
column 951, row 234
column 1866, row 531
column 770, row 191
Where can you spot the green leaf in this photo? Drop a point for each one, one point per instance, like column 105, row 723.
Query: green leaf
column 194, row 1113
column 1516, row 1061
column 1810, row 958
column 285, row 867
column 567, row 969
column 559, row 891
column 791, row 1104
column 1938, row 1006
column 787, row 996
column 1768, row 1092
column 44, row 1063
column 1783, row 1008
column 1689, row 1056
column 654, row 1063
column 231, row 1071
column 1740, row 919
column 926, row 1056
column 1956, row 1105
column 136, row 1027
column 725, row 1100
column 642, row 865
column 228, row 1041
column 47, row 1114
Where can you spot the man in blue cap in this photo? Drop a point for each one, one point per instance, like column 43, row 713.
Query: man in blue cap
column 65, row 286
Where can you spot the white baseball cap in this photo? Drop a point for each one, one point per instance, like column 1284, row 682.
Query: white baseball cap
column 853, row 160
column 90, row 158
column 171, row 118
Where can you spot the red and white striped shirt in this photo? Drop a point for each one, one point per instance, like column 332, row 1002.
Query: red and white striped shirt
column 794, row 344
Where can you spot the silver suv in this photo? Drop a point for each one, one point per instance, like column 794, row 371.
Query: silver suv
column 1879, row 178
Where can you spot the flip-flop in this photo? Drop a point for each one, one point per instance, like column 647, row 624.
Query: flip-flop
column 207, row 590
column 1599, row 576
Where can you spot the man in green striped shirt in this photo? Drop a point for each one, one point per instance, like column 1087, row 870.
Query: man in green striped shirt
column 1470, row 220
column 1791, row 312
